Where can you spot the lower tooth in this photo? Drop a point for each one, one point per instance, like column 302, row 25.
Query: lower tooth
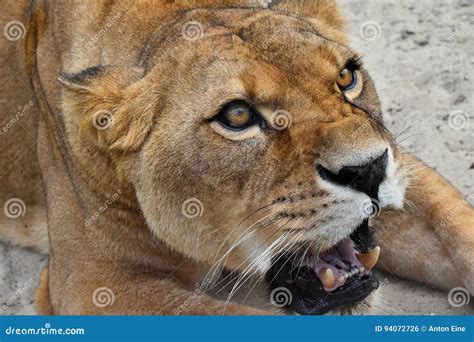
column 327, row 277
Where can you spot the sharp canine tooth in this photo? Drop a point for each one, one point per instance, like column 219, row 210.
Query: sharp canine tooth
column 341, row 279
column 369, row 259
column 327, row 278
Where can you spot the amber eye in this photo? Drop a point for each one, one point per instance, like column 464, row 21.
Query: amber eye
column 237, row 115
column 347, row 79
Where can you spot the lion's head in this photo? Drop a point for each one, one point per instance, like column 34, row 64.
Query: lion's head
column 254, row 141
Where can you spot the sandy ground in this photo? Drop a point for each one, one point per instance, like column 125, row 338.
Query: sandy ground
column 421, row 57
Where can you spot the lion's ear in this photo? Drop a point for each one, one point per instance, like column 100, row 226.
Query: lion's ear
column 325, row 11
column 110, row 105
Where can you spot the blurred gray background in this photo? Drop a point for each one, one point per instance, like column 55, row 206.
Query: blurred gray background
column 420, row 54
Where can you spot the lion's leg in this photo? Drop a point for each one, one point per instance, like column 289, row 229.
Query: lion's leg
column 110, row 291
column 24, row 225
column 432, row 240
column 42, row 302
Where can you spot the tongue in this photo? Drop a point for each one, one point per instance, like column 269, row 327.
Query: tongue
column 341, row 262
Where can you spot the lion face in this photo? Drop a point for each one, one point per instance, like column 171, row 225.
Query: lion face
column 264, row 148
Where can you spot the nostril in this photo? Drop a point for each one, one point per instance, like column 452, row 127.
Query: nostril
column 342, row 179
column 365, row 178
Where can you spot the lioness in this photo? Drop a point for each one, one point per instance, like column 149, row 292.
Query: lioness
column 236, row 146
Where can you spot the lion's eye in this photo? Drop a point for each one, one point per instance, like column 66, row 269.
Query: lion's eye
column 347, row 79
column 237, row 115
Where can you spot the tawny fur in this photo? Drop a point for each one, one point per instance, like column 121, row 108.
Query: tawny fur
column 160, row 90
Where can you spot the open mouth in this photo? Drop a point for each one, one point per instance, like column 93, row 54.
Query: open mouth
column 340, row 277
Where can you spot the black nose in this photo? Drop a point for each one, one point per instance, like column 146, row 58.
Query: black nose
column 365, row 178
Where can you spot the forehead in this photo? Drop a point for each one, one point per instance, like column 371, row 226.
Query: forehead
column 284, row 37
column 305, row 56
column 306, row 52
column 298, row 46
column 270, row 49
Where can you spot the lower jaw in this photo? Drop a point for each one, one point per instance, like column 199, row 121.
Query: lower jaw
column 308, row 296
column 308, row 302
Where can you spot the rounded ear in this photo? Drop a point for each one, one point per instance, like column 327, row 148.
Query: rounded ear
column 109, row 104
column 325, row 11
